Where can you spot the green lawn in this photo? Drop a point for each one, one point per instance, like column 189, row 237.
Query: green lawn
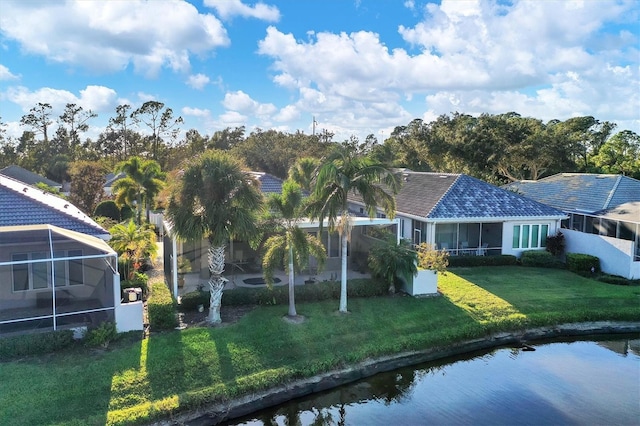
column 150, row 379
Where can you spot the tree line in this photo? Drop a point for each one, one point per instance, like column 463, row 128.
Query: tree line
column 496, row 148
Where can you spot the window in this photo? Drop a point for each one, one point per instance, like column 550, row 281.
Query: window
column 38, row 275
column 529, row 236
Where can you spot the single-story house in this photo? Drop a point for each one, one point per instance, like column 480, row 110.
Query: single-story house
column 602, row 216
column 56, row 269
column 241, row 258
column 28, row 177
column 109, row 180
column 467, row 216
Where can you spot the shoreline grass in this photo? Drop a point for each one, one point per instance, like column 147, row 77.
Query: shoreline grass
column 138, row 382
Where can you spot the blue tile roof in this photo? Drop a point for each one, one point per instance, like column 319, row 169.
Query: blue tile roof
column 21, row 204
column 269, row 184
column 469, row 198
column 580, row 192
column 444, row 196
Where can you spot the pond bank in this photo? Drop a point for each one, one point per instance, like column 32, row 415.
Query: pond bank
column 219, row 412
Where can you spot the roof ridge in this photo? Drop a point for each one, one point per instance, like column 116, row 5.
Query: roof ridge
column 455, row 181
column 612, row 192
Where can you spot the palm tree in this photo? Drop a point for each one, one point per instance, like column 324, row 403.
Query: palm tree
column 292, row 246
column 142, row 183
column 389, row 259
column 345, row 172
column 215, row 199
column 134, row 244
column 302, row 172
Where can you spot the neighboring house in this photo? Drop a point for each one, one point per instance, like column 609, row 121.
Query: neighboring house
column 30, row 178
column 241, row 258
column 110, row 180
column 603, row 217
column 467, row 216
column 56, row 270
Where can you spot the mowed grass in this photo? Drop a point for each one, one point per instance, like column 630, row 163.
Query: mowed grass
column 152, row 379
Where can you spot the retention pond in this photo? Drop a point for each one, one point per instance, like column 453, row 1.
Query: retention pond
column 594, row 381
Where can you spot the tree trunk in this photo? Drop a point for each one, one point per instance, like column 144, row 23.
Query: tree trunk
column 292, row 300
column 216, row 283
column 343, row 278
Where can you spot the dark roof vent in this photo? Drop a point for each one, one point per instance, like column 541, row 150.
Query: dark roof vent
column 25, row 189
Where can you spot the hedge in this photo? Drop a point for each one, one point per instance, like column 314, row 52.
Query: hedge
column 582, row 263
column 361, row 287
column 502, row 260
column 539, row 258
column 35, row 344
column 161, row 307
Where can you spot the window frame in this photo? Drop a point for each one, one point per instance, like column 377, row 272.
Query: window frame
column 527, row 231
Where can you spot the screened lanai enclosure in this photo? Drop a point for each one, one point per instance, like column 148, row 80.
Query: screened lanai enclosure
column 53, row 278
column 461, row 239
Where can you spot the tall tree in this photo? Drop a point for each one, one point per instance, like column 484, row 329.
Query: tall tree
column 343, row 172
column 159, row 122
column 620, row 154
column 291, row 245
column 142, row 183
column 120, row 124
column 87, row 183
column 39, row 120
column 75, row 119
column 215, row 199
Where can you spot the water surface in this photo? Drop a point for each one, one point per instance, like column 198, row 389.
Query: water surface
column 562, row 383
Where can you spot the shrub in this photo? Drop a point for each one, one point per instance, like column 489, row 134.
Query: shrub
column 617, row 280
column 35, row 344
column 190, row 301
column 430, row 258
column 101, row 335
column 326, row 290
column 502, row 260
column 539, row 258
column 583, row 264
column 108, row 208
column 126, row 213
column 161, row 307
column 555, row 244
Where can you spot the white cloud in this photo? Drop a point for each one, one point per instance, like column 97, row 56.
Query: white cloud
column 545, row 59
column 198, row 81
column 108, row 36
column 196, row 112
column 5, row 74
column 95, row 98
column 229, row 8
column 232, row 119
column 242, row 103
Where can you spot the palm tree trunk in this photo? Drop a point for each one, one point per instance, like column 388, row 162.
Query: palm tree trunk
column 292, row 302
column 343, row 278
column 216, row 283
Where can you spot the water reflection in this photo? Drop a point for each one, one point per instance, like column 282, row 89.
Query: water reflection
column 582, row 382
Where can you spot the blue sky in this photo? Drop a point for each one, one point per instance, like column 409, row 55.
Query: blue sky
column 358, row 66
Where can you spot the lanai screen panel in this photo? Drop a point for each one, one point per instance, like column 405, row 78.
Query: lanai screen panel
column 51, row 277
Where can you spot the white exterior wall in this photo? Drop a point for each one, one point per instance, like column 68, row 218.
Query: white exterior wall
column 128, row 315
column 507, row 234
column 616, row 256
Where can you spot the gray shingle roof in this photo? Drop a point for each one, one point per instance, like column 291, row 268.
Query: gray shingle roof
column 580, row 192
column 443, row 196
column 21, row 204
column 629, row 212
column 24, row 175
